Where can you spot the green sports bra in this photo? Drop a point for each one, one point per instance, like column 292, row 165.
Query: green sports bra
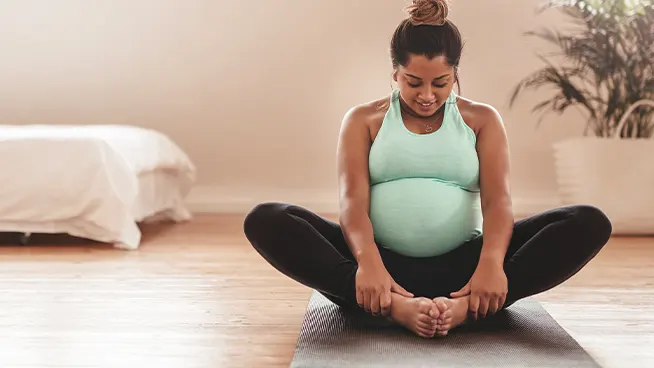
column 424, row 188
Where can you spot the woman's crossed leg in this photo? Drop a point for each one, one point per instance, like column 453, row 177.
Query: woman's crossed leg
column 545, row 250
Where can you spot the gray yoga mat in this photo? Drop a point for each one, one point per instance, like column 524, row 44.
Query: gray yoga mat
column 524, row 335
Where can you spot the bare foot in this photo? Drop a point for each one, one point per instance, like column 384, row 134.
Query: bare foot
column 414, row 314
column 455, row 313
column 445, row 315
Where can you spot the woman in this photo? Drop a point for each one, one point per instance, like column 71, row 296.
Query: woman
column 418, row 171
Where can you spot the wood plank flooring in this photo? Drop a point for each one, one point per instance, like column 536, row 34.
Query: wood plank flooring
column 197, row 295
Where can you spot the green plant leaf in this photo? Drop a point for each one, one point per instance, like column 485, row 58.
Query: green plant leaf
column 608, row 64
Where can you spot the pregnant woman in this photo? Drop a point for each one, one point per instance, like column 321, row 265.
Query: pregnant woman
column 426, row 236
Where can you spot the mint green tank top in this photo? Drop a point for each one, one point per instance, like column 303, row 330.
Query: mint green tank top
column 424, row 188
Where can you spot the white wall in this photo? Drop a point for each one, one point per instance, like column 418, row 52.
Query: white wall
column 255, row 90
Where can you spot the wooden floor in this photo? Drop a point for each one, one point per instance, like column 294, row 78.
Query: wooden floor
column 196, row 295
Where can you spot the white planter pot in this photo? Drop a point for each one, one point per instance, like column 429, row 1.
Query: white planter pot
column 615, row 175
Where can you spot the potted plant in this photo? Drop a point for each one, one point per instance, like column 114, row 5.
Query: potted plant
column 606, row 69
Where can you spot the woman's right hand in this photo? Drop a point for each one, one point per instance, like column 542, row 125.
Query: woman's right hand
column 374, row 286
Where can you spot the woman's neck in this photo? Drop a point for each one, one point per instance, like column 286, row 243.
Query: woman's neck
column 404, row 107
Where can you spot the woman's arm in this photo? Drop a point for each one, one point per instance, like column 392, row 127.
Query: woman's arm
column 496, row 204
column 354, row 190
column 488, row 285
column 373, row 283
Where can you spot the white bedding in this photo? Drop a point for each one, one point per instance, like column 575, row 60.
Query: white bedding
column 95, row 182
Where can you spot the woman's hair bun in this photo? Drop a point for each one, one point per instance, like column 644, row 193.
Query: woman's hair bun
column 429, row 12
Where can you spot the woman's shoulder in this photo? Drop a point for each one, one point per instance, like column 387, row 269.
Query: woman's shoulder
column 370, row 111
column 477, row 114
column 369, row 114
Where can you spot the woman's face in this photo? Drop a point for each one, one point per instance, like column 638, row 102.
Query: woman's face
column 425, row 84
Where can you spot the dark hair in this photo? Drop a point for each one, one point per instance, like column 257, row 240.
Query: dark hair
column 428, row 32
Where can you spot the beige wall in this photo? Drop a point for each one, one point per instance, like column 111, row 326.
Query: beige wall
column 255, row 90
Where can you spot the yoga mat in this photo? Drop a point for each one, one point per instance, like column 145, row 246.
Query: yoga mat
column 524, row 335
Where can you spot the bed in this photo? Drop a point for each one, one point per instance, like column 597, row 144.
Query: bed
column 95, row 182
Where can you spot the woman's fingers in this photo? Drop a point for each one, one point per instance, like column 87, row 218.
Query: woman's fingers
column 360, row 298
column 366, row 301
column 375, row 303
column 385, row 302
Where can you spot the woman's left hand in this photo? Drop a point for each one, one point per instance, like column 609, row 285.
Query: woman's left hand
column 488, row 288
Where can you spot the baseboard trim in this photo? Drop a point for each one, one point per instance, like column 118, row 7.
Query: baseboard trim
column 226, row 200
column 216, row 199
column 524, row 206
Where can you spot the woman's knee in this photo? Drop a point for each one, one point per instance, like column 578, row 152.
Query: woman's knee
column 593, row 222
column 263, row 217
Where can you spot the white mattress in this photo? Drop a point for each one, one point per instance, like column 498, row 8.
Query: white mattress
column 95, row 182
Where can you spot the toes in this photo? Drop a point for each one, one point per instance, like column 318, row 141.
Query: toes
column 425, row 318
column 445, row 317
column 434, row 311
column 445, row 320
column 442, row 306
column 432, row 328
column 424, row 332
column 444, row 326
column 426, row 325
column 425, row 306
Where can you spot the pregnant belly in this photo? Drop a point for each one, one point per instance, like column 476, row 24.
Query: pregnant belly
column 423, row 217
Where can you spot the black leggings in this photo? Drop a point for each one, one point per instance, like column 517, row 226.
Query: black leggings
column 545, row 250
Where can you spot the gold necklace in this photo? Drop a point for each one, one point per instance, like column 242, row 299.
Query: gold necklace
column 428, row 126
